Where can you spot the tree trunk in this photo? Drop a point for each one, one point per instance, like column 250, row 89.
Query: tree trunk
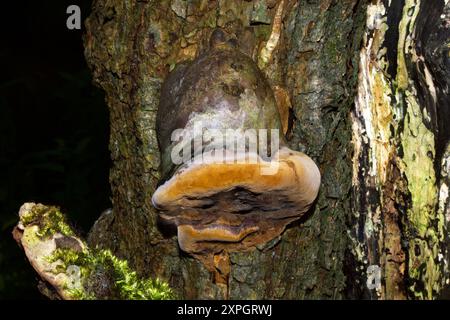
column 368, row 83
column 131, row 46
column 400, row 164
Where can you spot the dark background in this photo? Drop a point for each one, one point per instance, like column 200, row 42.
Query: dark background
column 53, row 128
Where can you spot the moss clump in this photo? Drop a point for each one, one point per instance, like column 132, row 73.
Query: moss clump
column 128, row 283
column 125, row 282
column 81, row 294
column 49, row 219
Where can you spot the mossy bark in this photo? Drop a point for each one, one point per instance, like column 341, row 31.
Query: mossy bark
column 379, row 195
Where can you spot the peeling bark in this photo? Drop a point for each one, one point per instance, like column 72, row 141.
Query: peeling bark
column 399, row 136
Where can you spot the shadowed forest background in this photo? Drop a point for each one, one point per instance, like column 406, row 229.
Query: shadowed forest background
column 53, row 129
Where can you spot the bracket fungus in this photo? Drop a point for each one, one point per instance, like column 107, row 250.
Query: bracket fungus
column 227, row 195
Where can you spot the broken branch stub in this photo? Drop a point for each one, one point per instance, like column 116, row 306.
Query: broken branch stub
column 229, row 180
column 69, row 269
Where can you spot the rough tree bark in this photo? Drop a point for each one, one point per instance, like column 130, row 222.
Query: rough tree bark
column 368, row 82
column 131, row 46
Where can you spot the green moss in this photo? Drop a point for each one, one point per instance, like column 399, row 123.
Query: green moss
column 126, row 283
column 71, row 257
column 49, row 219
column 81, row 294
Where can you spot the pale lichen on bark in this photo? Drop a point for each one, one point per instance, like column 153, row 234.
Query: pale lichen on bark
column 393, row 139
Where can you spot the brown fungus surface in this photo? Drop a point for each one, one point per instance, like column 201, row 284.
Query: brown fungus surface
column 233, row 204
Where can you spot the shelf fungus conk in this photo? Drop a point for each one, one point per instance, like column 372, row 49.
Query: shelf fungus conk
column 231, row 191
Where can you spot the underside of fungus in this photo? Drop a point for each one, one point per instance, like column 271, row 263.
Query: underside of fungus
column 245, row 199
column 233, row 205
